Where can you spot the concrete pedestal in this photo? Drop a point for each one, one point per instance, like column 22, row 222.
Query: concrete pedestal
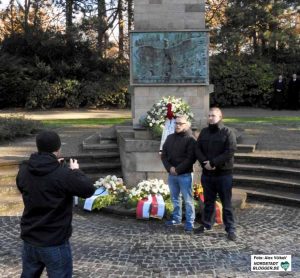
column 140, row 158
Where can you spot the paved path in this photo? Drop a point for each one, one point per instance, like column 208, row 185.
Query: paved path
column 108, row 246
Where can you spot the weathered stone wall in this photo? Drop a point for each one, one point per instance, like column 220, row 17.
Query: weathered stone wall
column 169, row 15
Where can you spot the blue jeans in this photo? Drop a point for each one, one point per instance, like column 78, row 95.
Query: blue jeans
column 56, row 259
column 221, row 185
column 182, row 184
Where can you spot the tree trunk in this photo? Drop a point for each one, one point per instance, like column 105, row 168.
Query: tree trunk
column 130, row 14
column 12, row 16
column 121, row 29
column 69, row 19
column 36, row 19
column 255, row 45
column 27, row 5
column 102, row 22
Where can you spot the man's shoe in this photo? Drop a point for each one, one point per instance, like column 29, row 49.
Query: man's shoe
column 188, row 228
column 201, row 230
column 171, row 223
column 231, row 236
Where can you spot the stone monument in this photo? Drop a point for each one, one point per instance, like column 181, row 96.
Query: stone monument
column 168, row 57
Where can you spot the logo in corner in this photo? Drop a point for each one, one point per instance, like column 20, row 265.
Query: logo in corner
column 285, row 265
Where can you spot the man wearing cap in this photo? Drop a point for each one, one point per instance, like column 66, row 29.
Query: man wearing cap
column 47, row 189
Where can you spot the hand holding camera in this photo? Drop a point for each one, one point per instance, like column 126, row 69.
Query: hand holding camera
column 74, row 164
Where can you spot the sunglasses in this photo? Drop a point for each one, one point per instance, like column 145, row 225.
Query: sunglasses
column 180, row 124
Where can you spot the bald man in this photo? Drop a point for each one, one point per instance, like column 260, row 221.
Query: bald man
column 215, row 149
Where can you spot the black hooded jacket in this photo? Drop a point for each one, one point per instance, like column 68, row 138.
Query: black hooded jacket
column 47, row 189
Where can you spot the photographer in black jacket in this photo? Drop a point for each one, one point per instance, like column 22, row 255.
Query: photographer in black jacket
column 47, row 189
column 215, row 149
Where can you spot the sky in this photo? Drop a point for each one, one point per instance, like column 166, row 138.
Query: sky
column 4, row 3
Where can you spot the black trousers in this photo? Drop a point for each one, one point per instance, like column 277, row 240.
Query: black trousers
column 222, row 186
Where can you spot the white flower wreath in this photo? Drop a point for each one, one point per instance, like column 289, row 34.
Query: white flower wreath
column 157, row 115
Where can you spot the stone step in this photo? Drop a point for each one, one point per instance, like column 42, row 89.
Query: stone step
column 100, row 166
column 8, row 179
column 96, row 157
column 279, row 185
column 92, row 139
column 245, row 148
column 111, row 147
column 8, row 189
column 9, row 166
column 285, row 198
column 264, row 160
column 267, row 171
column 108, row 141
column 11, row 205
column 12, row 193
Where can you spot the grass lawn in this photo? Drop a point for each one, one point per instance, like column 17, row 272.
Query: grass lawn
column 115, row 121
column 86, row 122
column 263, row 120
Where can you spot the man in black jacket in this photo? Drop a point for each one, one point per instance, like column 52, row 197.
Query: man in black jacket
column 215, row 149
column 178, row 158
column 294, row 92
column 47, row 189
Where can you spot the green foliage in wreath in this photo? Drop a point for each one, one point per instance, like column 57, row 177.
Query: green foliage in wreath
column 105, row 201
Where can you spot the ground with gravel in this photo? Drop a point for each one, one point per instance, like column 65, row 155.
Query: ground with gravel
column 109, row 246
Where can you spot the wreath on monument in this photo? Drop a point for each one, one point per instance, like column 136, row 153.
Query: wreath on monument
column 167, row 108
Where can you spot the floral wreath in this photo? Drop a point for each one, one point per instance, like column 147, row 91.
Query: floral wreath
column 167, row 108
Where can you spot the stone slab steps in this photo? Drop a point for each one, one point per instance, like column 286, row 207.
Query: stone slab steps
column 245, row 143
column 286, row 198
column 110, row 147
column 264, row 160
column 245, row 148
column 99, row 166
column 7, row 189
column 11, row 205
column 267, row 171
column 9, row 166
column 280, row 185
column 8, row 179
column 97, row 157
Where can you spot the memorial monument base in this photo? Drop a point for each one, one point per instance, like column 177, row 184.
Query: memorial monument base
column 143, row 98
column 140, row 157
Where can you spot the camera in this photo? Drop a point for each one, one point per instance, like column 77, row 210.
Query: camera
column 63, row 163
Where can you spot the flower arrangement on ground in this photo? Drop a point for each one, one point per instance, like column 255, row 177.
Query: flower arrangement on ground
column 198, row 190
column 145, row 188
column 113, row 184
column 111, row 191
column 157, row 115
column 115, row 191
